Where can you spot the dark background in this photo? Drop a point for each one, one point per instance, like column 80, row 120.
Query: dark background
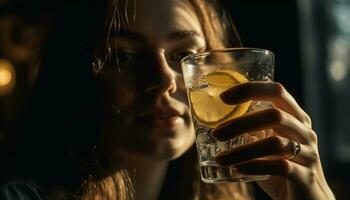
column 273, row 25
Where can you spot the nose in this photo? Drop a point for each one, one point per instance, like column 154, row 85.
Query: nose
column 163, row 79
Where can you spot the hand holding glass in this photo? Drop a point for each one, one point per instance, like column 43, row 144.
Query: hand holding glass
column 209, row 74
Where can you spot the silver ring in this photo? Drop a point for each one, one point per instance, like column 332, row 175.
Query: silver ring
column 296, row 148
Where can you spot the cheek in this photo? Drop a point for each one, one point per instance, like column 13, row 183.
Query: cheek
column 121, row 92
column 123, row 96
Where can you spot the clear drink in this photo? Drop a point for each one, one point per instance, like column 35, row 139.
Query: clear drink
column 206, row 77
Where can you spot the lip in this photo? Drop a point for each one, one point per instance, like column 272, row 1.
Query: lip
column 165, row 117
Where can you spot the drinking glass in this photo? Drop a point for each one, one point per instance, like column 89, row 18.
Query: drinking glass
column 206, row 76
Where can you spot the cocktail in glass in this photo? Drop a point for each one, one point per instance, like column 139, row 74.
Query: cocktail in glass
column 209, row 74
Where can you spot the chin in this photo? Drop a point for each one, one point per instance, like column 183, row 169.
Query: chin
column 172, row 148
column 157, row 144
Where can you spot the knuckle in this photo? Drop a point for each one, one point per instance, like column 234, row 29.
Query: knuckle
column 313, row 156
column 276, row 115
column 311, row 177
column 313, row 136
column 307, row 120
column 280, row 90
column 278, row 143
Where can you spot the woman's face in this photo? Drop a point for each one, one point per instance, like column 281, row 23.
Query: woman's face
column 145, row 86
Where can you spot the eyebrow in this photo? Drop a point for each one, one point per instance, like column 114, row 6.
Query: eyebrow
column 132, row 35
column 139, row 37
column 184, row 34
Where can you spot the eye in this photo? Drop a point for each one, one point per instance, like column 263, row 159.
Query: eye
column 177, row 56
column 124, row 57
column 121, row 59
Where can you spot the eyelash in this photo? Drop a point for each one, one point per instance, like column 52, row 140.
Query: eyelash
column 122, row 57
column 125, row 57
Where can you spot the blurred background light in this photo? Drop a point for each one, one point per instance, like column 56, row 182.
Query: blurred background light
column 338, row 71
column 7, row 77
column 342, row 15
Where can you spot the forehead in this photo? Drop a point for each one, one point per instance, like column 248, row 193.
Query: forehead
column 158, row 18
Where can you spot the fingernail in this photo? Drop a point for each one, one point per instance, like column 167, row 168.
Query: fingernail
column 220, row 135
column 239, row 170
column 244, row 169
column 221, row 131
column 226, row 96
column 220, row 161
column 229, row 158
column 231, row 96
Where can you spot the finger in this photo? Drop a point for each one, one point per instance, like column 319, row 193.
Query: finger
column 269, row 147
column 277, row 167
column 266, row 91
column 272, row 118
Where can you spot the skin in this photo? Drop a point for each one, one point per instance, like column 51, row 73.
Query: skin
column 151, row 122
column 151, row 85
column 142, row 140
column 300, row 177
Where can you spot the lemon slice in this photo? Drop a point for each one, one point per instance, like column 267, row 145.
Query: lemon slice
column 206, row 104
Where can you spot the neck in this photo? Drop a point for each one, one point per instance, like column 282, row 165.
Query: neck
column 148, row 174
column 149, row 180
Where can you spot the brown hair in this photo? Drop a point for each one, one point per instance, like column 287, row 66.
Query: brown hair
column 183, row 180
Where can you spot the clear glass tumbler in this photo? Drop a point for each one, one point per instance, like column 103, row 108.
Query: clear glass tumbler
column 206, row 76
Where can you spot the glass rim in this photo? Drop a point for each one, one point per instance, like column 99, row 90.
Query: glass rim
column 197, row 55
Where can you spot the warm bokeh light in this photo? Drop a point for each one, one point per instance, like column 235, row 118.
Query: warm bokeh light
column 7, row 76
